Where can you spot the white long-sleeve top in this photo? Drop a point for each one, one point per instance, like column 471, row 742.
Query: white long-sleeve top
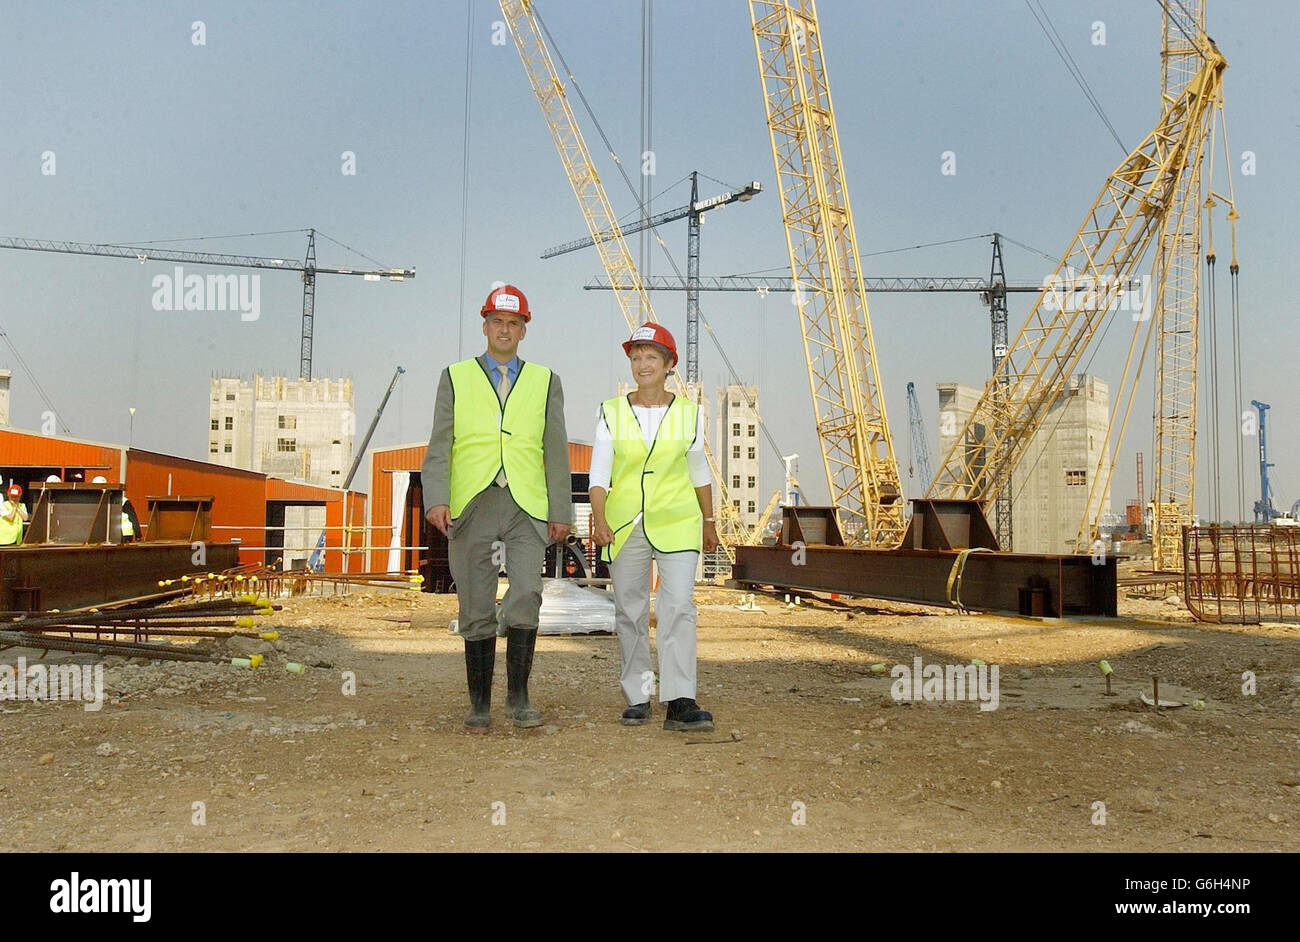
column 649, row 418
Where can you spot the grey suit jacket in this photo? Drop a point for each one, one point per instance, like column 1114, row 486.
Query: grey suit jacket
column 435, row 472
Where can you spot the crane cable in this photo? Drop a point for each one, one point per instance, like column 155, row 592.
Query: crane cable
column 464, row 174
column 1212, row 361
column 1233, row 269
column 1072, row 67
column 40, row 391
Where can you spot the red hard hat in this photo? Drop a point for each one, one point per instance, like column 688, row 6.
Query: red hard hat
column 507, row 300
column 657, row 334
column 15, row 491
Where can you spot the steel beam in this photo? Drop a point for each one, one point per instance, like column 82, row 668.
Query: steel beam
column 946, row 559
column 64, row 577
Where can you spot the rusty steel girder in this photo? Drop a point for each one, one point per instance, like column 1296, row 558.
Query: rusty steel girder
column 949, row 557
column 34, row 578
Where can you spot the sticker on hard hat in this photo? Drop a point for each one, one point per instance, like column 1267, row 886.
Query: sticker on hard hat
column 643, row 333
column 507, row 302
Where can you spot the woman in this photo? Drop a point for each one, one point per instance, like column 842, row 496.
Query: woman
column 650, row 493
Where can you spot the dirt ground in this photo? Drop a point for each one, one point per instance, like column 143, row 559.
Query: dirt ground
column 811, row 751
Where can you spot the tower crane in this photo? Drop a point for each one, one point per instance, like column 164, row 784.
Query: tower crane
column 308, row 268
column 920, row 447
column 857, row 450
column 529, row 35
column 1126, row 217
column 693, row 212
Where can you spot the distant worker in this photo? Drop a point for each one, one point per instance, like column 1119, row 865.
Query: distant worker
column 652, row 499
column 130, row 522
column 496, row 483
column 12, row 517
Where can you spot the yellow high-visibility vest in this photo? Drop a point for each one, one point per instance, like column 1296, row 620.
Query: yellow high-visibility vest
column 488, row 437
column 654, row 482
column 11, row 531
column 127, row 528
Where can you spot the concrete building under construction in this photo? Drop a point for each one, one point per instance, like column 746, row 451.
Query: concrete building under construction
column 5, row 376
column 1053, row 483
column 297, row 429
column 737, row 438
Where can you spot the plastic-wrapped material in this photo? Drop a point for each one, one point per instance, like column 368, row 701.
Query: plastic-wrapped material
column 571, row 609
column 567, row 609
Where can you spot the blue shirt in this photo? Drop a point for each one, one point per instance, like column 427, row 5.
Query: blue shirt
column 494, row 369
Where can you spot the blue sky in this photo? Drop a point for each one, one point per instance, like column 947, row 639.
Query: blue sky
column 157, row 138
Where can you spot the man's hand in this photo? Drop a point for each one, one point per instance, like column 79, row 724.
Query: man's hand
column 603, row 535
column 440, row 517
column 710, row 537
column 558, row 532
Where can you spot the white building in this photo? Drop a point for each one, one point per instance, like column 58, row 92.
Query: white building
column 736, row 439
column 1053, row 484
column 301, row 430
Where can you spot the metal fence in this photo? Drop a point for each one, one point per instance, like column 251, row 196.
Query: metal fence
column 1242, row 575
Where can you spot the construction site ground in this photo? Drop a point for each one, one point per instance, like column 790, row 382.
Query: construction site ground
column 811, row 752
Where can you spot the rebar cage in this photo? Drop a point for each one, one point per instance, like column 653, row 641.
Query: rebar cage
column 1242, row 575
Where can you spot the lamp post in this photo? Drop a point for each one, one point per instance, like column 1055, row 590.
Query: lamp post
column 131, row 438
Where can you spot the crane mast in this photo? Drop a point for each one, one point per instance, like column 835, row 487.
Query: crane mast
column 848, row 407
column 520, row 16
column 997, row 302
column 920, row 447
column 1178, row 267
column 1128, row 214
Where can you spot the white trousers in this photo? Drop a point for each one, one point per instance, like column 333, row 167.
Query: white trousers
column 675, row 607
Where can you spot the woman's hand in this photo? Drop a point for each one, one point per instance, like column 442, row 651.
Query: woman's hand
column 710, row 537
column 602, row 534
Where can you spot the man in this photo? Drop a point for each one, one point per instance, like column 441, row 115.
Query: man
column 12, row 517
column 496, row 483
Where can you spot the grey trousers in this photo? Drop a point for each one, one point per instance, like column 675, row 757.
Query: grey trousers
column 492, row 530
column 675, row 607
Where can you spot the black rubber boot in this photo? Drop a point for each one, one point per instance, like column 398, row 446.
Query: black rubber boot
column 520, row 643
column 685, row 715
column 480, row 659
column 636, row 714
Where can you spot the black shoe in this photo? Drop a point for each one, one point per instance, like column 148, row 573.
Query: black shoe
column 684, row 715
column 520, row 643
column 636, row 714
column 480, row 659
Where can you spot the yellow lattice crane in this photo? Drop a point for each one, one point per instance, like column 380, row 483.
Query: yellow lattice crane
column 1132, row 209
column 849, row 409
column 633, row 301
column 1178, row 266
column 756, row 533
